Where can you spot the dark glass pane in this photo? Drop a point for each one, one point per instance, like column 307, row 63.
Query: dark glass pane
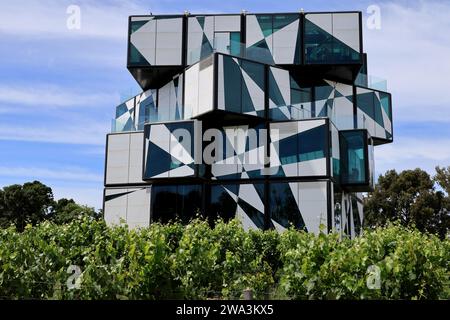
column 353, row 162
column 313, row 143
column 386, row 104
column 288, row 150
column 147, row 108
column 265, row 23
column 233, row 82
column 283, row 206
column 356, row 217
column 318, row 44
column 221, row 203
column 235, row 43
column 256, row 72
column 190, row 200
column 176, row 201
column 121, row 109
column 282, row 20
column 164, row 203
column 343, row 53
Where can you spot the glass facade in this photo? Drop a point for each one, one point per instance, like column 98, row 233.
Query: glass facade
column 322, row 39
column 170, row 202
column 169, row 148
column 354, row 162
column 243, row 84
column 283, row 206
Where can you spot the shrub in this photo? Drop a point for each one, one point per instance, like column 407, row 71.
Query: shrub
column 174, row 261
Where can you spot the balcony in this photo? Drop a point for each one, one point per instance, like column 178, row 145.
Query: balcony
column 356, row 160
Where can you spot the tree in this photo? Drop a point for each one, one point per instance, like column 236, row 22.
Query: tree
column 28, row 203
column 411, row 198
column 66, row 210
column 442, row 178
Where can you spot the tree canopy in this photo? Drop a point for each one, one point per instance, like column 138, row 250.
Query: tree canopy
column 33, row 202
column 411, row 197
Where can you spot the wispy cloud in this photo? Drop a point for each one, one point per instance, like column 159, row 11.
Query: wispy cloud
column 66, row 174
column 48, row 18
column 413, row 152
column 83, row 133
column 48, row 95
column 411, row 50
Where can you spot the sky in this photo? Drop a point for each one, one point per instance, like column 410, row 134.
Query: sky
column 59, row 86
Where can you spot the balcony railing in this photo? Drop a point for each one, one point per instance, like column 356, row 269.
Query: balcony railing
column 371, row 82
column 234, row 48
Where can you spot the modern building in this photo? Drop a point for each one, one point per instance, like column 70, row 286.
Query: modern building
column 289, row 88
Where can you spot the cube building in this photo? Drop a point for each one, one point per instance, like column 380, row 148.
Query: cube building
column 270, row 118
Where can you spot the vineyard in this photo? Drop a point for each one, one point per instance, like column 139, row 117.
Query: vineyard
column 86, row 259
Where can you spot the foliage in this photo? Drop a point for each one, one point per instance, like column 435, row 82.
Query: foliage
column 66, row 210
column 32, row 203
column 196, row 261
column 442, row 178
column 411, row 198
column 22, row 204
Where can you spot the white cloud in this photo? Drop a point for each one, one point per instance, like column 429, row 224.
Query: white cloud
column 48, row 95
column 412, row 152
column 70, row 133
column 65, row 174
column 411, row 51
column 48, row 19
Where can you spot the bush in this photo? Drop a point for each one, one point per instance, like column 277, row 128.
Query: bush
column 196, row 261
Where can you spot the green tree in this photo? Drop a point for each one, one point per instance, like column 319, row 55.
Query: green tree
column 442, row 178
column 411, row 198
column 66, row 210
column 22, row 204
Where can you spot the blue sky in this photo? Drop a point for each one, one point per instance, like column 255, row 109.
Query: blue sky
column 59, row 87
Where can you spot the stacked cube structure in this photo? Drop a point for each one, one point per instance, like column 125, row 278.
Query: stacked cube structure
column 289, row 88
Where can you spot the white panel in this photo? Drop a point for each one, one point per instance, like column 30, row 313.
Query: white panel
column 313, row 204
column 169, row 41
column 291, row 169
column 195, row 37
column 220, row 85
column 117, row 161
column 253, row 33
column 138, row 208
column 164, row 102
column 386, row 121
column 144, row 39
column 322, row 20
column 209, row 28
column 284, row 43
column 285, row 129
column 227, row 23
column 191, row 90
column 136, row 150
column 283, row 81
column 248, row 193
column 346, row 29
column 115, row 209
column 256, row 93
column 309, row 124
column 343, row 113
column 205, row 83
column 160, row 136
column 316, row 167
column 247, row 223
